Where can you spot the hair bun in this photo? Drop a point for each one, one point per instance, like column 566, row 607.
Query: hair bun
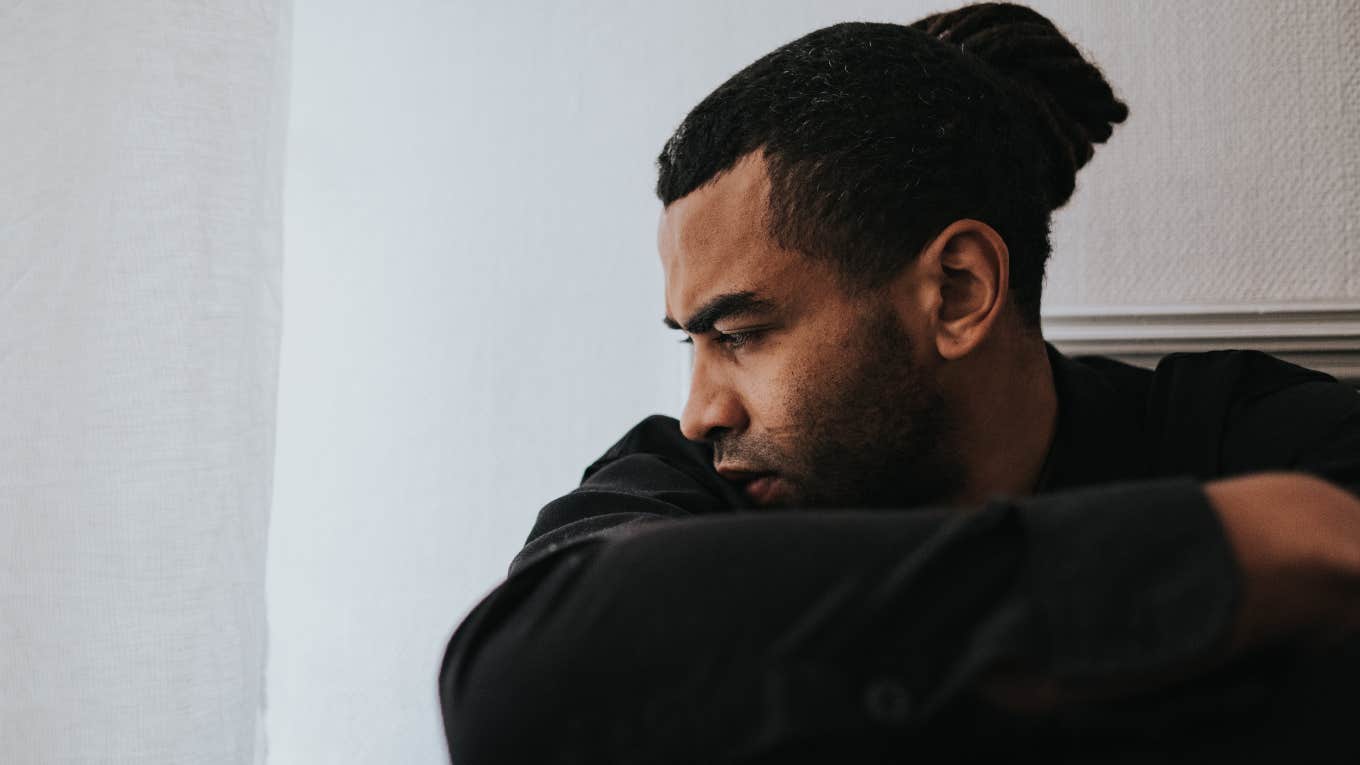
column 1076, row 106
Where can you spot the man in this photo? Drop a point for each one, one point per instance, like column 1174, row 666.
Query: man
column 891, row 519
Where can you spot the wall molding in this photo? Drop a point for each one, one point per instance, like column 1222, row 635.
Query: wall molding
column 1325, row 337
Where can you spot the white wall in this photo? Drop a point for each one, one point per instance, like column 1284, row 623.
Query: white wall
column 473, row 298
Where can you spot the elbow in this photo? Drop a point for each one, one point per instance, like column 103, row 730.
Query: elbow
column 506, row 685
column 497, row 705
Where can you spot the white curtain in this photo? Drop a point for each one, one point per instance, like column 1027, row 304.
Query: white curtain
column 140, row 195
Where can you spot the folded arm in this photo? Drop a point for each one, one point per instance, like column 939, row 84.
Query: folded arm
column 663, row 624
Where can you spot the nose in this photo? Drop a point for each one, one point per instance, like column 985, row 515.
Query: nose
column 712, row 406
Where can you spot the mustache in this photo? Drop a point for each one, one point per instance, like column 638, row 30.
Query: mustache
column 747, row 451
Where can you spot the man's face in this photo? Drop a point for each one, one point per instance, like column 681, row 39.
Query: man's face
column 810, row 396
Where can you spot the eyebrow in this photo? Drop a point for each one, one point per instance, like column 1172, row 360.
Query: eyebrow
column 721, row 307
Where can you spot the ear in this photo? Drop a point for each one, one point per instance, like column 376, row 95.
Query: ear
column 962, row 280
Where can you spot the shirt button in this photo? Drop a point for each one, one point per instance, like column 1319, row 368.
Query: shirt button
column 887, row 701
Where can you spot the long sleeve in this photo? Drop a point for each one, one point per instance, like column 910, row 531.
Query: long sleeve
column 653, row 621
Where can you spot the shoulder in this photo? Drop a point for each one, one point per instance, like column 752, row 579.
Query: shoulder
column 651, row 473
column 656, row 434
column 1268, row 411
column 1249, row 372
column 1252, row 382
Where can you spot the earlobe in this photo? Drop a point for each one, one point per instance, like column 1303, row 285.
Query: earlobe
column 972, row 272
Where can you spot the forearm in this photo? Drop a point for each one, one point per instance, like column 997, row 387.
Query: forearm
column 733, row 631
column 689, row 641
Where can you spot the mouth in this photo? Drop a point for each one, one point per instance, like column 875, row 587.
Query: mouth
column 762, row 487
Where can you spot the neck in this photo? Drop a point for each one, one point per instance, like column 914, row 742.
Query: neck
column 1009, row 418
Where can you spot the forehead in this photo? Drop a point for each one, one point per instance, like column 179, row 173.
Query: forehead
column 716, row 240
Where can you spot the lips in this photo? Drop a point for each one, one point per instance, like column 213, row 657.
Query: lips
column 762, row 490
column 759, row 485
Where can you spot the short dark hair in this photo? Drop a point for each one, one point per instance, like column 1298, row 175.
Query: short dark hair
column 878, row 136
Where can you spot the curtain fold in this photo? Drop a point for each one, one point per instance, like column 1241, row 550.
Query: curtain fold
column 140, row 304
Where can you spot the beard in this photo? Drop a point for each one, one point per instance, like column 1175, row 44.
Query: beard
column 869, row 431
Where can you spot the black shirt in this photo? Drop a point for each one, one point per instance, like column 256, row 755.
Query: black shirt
column 654, row 616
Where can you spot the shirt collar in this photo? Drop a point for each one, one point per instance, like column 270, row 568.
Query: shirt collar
column 1100, row 435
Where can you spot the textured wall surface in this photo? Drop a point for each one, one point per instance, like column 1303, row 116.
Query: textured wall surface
column 1236, row 179
column 140, row 234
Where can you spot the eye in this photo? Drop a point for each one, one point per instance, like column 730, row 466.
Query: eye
column 728, row 339
column 735, row 339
